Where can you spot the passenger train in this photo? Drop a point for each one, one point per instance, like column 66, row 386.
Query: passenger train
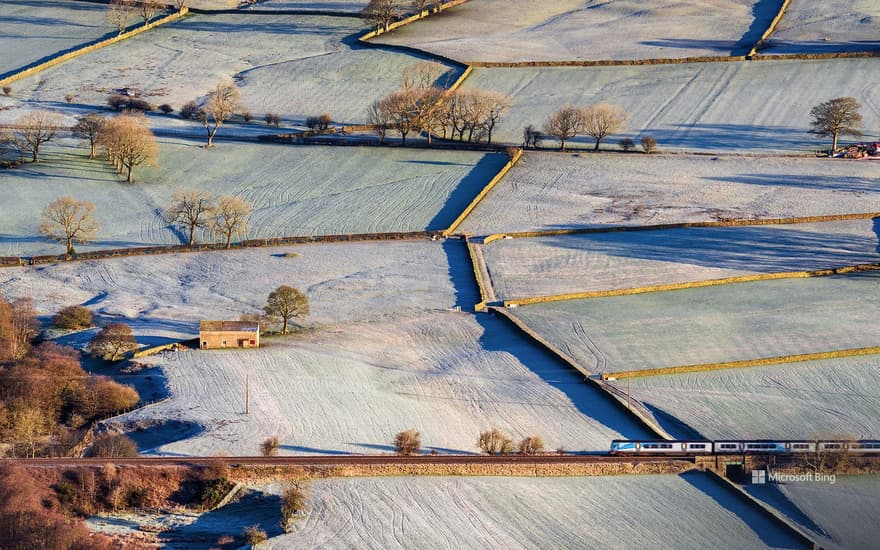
column 663, row 447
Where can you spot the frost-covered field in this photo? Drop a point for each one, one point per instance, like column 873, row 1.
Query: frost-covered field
column 713, row 324
column 549, row 191
column 525, row 30
column 354, row 6
column 165, row 296
column 662, row 511
column 841, row 516
column 743, row 106
column 790, row 401
column 293, row 65
column 602, row 261
column 827, row 26
column 30, row 31
column 350, row 389
column 294, row 191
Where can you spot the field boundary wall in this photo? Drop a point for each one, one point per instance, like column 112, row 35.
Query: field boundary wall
column 411, row 19
column 482, row 194
column 249, row 243
column 762, row 508
column 745, row 363
column 817, row 55
column 720, row 223
column 605, row 62
column 90, row 47
column 566, row 359
column 693, row 284
column 482, row 283
column 771, row 29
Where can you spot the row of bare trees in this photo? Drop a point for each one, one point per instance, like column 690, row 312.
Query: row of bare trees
column 422, row 105
column 597, row 121
column 121, row 12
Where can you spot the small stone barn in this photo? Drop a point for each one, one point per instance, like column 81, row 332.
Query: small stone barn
column 228, row 334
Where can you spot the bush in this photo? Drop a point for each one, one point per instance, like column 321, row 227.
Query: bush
column 190, row 110
column 247, row 116
column 531, row 445
column 494, row 442
column 273, row 119
column 293, row 501
column 117, row 102
column 407, row 443
column 627, row 144
column 270, row 446
column 649, row 144
column 137, row 104
column 7, row 90
column 109, row 445
column 73, row 318
column 69, row 98
column 253, row 535
column 167, row 109
column 319, row 123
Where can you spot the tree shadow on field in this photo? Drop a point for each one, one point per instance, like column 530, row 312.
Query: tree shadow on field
column 467, row 189
column 254, row 507
column 313, row 450
column 501, row 337
column 844, row 184
column 732, row 137
column 770, row 534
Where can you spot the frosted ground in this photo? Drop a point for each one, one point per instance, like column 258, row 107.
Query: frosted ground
column 827, row 26
column 295, row 190
column 354, row 6
column 713, row 324
column 164, row 297
column 840, row 515
column 524, row 30
column 295, row 66
column 742, row 106
column 551, row 191
column 603, row 261
column 789, row 401
column 28, row 35
column 582, row 512
column 350, row 389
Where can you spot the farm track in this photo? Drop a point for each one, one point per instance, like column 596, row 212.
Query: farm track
column 352, row 460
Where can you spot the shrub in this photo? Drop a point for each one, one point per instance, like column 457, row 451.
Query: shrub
column 270, row 446
column 247, row 116
column 69, row 98
column 494, row 442
column 190, row 110
column 273, row 119
column 408, row 442
column 117, row 102
column 167, row 109
column 73, row 318
column 627, row 144
column 253, row 535
column 649, row 144
column 7, row 90
column 531, row 445
column 137, row 104
column 109, row 445
column 293, row 501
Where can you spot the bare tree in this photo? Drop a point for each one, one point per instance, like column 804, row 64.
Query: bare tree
column 129, row 143
column 69, row 221
column 113, row 342
column 89, row 127
column 180, row 4
column 408, row 443
column 493, row 106
column 420, row 6
column 223, row 102
column 836, row 117
column 119, row 12
column 531, row 445
column 293, row 501
column 494, row 442
column 379, row 118
column 148, row 8
column 286, row 302
column 531, row 137
column 190, row 210
column 564, row 124
column 382, row 13
column 603, row 119
column 230, row 218
column 398, row 108
column 33, row 130
column 422, row 75
column 649, row 144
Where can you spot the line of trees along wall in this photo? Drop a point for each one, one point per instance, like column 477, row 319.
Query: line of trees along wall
column 28, row 71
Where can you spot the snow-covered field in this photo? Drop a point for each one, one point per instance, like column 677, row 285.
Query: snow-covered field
column 525, row 30
column 549, row 191
column 742, row 106
column 602, row 261
column 660, row 511
column 353, row 6
column 30, row 31
column 827, row 26
column 841, row 516
column 790, row 401
column 713, row 324
column 349, row 389
column 165, row 296
column 293, row 65
column 295, row 190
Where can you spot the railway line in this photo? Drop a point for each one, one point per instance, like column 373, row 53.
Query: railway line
column 348, row 460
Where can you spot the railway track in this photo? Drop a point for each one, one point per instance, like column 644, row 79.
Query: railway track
column 348, row 460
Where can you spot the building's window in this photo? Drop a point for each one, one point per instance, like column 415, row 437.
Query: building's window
column 224, row 343
column 253, row 342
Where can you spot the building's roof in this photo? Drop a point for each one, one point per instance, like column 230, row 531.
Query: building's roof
column 228, row 326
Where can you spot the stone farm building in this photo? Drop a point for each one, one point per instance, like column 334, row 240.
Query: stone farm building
column 228, row 334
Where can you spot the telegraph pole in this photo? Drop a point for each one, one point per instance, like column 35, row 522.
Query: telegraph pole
column 247, row 392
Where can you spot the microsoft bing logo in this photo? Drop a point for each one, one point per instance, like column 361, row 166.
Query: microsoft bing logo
column 759, row 477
